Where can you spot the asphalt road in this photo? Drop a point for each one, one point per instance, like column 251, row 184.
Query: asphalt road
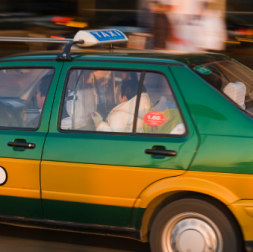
column 20, row 239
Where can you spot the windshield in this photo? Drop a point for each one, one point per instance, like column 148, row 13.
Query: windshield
column 232, row 79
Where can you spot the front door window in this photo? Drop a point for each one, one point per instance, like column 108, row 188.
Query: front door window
column 23, row 92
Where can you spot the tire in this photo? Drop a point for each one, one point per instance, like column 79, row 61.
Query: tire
column 193, row 225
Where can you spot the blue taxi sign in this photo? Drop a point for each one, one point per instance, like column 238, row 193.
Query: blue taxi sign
column 96, row 37
column 107, row 35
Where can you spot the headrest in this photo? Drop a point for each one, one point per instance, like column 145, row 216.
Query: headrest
column 236, row 91
column 161, row 105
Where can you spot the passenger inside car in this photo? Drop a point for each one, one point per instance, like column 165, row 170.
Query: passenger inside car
column 121, row 118
column 79, row 101
column 94, row 90
column 87, row 91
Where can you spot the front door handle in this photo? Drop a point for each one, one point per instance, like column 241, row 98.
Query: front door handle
column 23, row 145
column 167, row 153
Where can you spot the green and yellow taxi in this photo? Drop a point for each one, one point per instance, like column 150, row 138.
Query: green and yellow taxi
column 140, row 144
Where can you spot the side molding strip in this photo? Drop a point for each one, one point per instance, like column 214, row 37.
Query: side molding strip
column 71, row 226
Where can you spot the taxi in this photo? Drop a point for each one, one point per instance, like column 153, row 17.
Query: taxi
column 140, row 144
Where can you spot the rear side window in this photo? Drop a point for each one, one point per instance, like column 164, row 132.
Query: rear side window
column 22, row 96
column 105, row 101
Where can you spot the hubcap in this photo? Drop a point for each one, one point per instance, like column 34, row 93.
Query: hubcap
column 191, row 232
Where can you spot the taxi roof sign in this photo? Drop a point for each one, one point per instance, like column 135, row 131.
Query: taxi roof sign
column 84, row 38
column 97, row 37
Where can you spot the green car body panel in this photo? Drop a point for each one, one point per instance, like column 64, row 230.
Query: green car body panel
column 26, row 206
column 218, row 121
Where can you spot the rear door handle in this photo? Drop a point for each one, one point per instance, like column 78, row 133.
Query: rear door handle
column 167, row 153
column 23, row 145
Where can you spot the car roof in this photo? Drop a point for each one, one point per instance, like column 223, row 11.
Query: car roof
column 160, row 57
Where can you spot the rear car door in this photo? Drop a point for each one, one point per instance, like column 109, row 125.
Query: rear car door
column 26, row 95
column 102, row 150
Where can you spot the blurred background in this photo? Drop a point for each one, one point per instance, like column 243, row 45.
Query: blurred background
column 224, row 26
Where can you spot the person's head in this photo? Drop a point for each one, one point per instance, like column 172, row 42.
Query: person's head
column 128, row 90
column 43, row 89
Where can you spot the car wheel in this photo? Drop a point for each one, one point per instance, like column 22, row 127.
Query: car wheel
column 193, row 225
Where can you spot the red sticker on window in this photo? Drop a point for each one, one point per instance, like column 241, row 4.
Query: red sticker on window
column 154, row 118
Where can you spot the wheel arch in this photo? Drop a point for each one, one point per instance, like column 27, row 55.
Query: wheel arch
column 163, row 192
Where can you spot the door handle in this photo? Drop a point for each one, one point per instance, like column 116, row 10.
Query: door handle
column 23, row 145
column 167, row 153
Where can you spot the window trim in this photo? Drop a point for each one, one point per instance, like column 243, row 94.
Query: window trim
column 42, row 111
column 140, row 85
column 138, row 98
column 125, row 60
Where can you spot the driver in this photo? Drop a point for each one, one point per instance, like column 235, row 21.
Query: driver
column 121, row 118
column 40, row 99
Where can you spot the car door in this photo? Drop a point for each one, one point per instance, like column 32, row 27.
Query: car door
column 23, row 127
column 102, row 150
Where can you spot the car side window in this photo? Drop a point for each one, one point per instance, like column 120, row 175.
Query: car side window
column 163, row 116
column 23, row 92
column 100, row 100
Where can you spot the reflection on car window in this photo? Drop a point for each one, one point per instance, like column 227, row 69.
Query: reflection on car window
column 22, row 96
column 163, row 117
column 232, row 79
column 98, row 100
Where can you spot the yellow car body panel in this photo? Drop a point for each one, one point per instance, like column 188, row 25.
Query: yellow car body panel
column 23, row 178
column 243, row 212
column 225, row 187
column 98, row 184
